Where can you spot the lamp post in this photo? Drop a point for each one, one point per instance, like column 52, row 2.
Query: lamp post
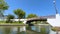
column 54, row 2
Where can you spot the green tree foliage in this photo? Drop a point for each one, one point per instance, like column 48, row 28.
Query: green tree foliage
column 3, row 6
column 9, row 17
column 31, row 16
column 20, row 13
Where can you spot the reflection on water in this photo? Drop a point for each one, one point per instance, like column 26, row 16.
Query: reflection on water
column 25, row 30
column 35, row 28
column 12, row 30
column 6, row 30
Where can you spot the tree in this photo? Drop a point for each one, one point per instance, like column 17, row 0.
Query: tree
column 20, row 13
column 3, row 6
column 9, row 17
column 31, row 16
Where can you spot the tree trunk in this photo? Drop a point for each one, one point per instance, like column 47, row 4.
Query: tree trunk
column 19, row 20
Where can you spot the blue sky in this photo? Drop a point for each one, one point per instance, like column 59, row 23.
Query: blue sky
column 38, row 7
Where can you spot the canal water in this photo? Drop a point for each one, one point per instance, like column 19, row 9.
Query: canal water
column 26, row 30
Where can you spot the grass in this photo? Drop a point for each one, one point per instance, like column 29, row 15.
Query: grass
column 3, row 22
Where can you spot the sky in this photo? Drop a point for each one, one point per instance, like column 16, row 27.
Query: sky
column 38, row 7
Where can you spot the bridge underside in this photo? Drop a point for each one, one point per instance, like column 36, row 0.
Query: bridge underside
column 29, row 21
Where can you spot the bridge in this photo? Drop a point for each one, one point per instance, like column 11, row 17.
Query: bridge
column 41, row 18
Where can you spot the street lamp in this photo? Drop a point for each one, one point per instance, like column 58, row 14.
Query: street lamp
column 54, row 2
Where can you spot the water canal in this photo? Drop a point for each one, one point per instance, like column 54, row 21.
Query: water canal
column 26, row 30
